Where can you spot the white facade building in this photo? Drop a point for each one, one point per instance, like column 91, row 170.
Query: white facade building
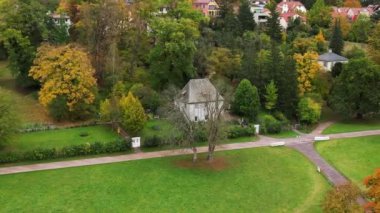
column 329, row 59
column 198, row 98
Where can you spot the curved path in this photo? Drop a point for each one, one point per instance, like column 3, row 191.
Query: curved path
column 303, row 143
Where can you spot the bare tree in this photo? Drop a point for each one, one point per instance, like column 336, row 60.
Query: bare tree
column 214, row 124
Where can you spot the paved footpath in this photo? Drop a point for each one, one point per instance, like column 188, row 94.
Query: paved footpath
column 263, row 142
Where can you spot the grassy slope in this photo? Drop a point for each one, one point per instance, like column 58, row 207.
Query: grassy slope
column 264, row 179
column 354, row 157
column 30, row 111
column 352, row 126
column 60, row 138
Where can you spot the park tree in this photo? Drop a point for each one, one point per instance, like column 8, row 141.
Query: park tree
column 360, row 29
column 246, row 100
column 223, row 62
column 374, row 44
column 101, row 24
column 66, row 75
column 273, row 27
column 319, row 16
column 307, row 67
column 356, row 92
column 303, row 45
column 246, row 17
column 321, row 42
column 336, row 40
column 345, row 25
column 309, row 111
column 9, row 121
column 20, row 55
column 270, row 96
column 215, row 124
column 342, row 198
column 372, row 182
column 352, row 3
column 171, row 59
column 133, row 116
column 25, row 16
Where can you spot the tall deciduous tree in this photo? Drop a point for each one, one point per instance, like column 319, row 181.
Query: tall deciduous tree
column 25, row 16
column 336, row 41
column 307, row 68
column 20, row 55
column 319, row 16
column 360, row 29
column 223, row 62
column 102, row 24
column 246, row 17
column 374, row 44
column 171, row 59
column 372, row 182
column 356, row 92
column 246, row 100
column 65, row 72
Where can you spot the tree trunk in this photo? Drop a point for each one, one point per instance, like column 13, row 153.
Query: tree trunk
column 195, row 157
column 210, row 155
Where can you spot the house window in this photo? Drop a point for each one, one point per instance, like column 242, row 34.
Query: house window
column 196, row 118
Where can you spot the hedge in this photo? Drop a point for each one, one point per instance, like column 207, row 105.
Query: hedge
column 239, row 131
column 68, row 151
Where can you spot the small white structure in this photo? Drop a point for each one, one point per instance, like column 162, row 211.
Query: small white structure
column 136, row 142
column 321, row 138
column 59, row 19
column 281, row 143
column 197, row 97
column 257, row 129
column 329, row 59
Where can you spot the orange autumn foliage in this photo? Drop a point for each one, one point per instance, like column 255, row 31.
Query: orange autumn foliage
column 372, row 182
column 352, row 3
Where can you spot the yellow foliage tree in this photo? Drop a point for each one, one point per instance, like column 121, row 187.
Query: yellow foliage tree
column 133, row 117
column 345, row 25
column 64, row 71
column 307, row 68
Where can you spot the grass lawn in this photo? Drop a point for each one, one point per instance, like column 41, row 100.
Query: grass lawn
column 354, row 157
column 284, row 134
column 60, row 138
column 27, row 105
column 352, row 126
column 263, row 180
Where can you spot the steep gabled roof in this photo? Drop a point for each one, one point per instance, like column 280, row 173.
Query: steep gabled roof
column 331, row 57
column 198, row 91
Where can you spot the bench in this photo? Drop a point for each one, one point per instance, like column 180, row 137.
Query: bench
column 321, row 138
column 281, row 143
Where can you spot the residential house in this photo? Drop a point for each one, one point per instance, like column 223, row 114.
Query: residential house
column 351, row 13
column 260, row 13
column 208, row 7
column 197, row 98
column 290, row 10
column 329, row 59
column 59, row 19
